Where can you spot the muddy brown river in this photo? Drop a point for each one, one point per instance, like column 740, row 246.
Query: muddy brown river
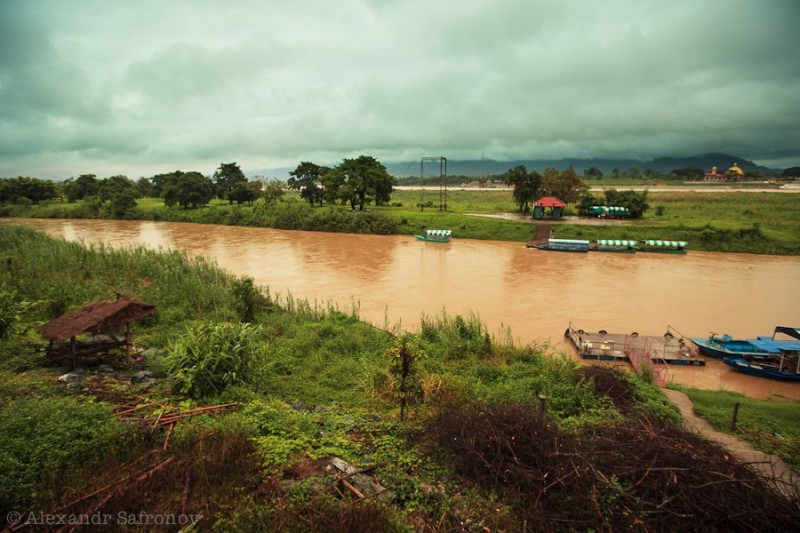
column 397, row 279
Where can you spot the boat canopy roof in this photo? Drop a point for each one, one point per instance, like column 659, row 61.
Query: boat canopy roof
column 792, row 332
column 666, row 244
column 770, row 345
column 616, row 242
column 568, row 241
column 609, row 208
column 439, row 232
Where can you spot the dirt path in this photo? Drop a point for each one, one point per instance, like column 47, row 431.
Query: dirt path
column 770, row 466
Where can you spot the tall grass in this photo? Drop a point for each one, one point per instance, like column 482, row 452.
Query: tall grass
column 63, row 275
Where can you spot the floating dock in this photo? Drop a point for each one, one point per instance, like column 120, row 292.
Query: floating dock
column 670, row 348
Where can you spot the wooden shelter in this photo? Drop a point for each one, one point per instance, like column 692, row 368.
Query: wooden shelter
column 108, row 320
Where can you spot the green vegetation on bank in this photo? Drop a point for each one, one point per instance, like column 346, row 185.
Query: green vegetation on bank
column 357, row 196
column 767, row 223
column 312, row 383
column 771, row 425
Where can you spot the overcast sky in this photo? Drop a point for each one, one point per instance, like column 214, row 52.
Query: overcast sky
column 141, row 87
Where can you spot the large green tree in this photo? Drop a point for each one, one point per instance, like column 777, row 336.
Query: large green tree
column 245, row 192
column 565, row 185
column 272, row 190
column 307, row 179
column 593, row 172
column 636, row 202
column 526, row 184
column 34, row 189
column 227, row 180
column 122, row 202
column 110, row 187
column 145, row 187
column 189, row 189
column 359, row 181
column 84, row 186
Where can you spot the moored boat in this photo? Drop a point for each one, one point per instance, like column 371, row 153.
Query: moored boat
column 436, row 235
column 615, row 245
column 783, row 367
column 668, row 247
column 561, row 245
column 606, row 211
column 760, row 347
column 724, row 346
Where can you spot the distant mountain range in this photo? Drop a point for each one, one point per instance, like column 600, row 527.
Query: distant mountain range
column 490, row 167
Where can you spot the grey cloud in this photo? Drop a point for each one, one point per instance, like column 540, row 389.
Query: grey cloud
column 131, row 87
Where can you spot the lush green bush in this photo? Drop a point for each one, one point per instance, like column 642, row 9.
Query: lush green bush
column 45, row 444
column 285, row 434
column 210, row 357
column 12, row 311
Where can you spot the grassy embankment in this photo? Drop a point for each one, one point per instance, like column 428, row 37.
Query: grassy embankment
column 772, row 426
column 767, row 223
column 312, row 383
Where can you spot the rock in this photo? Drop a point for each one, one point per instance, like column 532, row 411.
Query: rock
column 153, row 352
column 71, row 377
column 147, row 383
column 141, row 376
column 105, row 369
column 429, row 489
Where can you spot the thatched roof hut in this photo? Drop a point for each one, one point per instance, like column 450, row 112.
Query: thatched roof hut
column 101, row 317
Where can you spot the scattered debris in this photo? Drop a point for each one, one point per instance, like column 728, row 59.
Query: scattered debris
column 168, row 416
column 355, row 480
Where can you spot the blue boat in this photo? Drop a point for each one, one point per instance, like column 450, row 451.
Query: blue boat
column 767, row 357
column 561, row 245
column 726, row 346
column 783, row 367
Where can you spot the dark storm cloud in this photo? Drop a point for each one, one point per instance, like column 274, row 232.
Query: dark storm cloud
column 140, row 87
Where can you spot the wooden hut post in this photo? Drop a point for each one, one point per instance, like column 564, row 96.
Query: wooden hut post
column 127, row 341
column 72, row 350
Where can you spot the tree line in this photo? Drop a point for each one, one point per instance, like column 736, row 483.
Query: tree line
column 354, row 182
column 568, row 187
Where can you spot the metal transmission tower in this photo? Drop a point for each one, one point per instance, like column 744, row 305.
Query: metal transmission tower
column 442, row 181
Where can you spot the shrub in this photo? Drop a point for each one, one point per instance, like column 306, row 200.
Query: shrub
column 12, row 309
column 46, row 443
column 211, row 357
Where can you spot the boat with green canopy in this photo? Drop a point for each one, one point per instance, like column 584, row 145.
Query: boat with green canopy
column 436, row 235
column 615, row 245
column 669, row 247
column 608, row 211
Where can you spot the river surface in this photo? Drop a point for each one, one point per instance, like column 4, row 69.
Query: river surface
column 394, row 280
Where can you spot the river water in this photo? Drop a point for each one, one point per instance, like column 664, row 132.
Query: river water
column 396, row 279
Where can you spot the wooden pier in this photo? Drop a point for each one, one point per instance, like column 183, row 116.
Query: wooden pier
column 670, row 348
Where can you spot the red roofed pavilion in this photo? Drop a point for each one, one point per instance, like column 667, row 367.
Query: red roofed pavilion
column 555, row 205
